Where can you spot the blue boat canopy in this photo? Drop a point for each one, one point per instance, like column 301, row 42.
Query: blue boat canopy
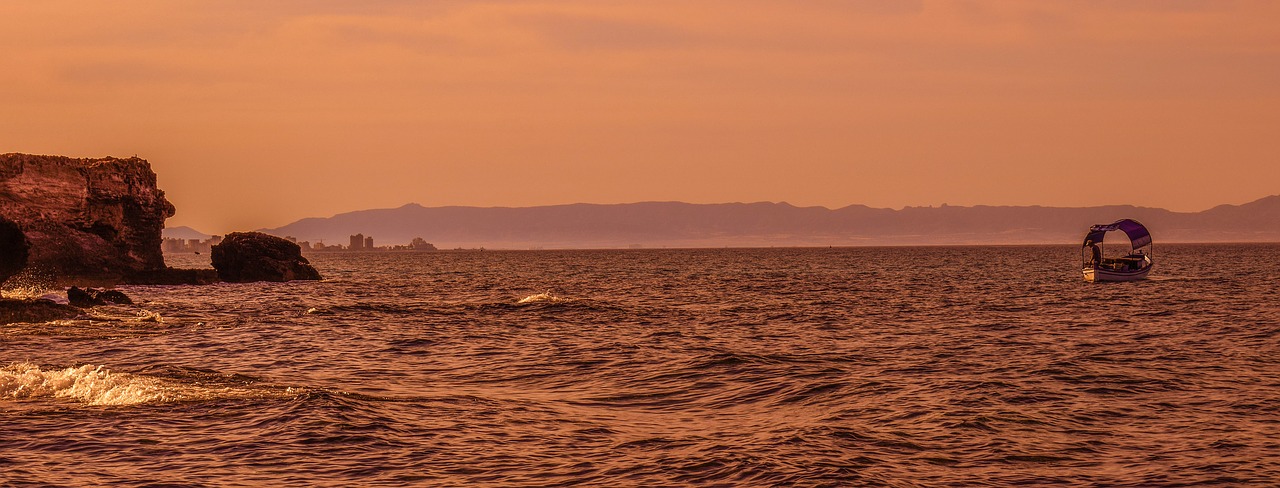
column 1138, row 234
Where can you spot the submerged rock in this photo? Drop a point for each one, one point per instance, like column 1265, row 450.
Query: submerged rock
column 85, row 220
column 34, row 311
column 244, row 257
column 88, row 297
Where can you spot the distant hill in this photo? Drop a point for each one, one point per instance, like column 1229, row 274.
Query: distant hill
column 674, row 224
column 184, row 232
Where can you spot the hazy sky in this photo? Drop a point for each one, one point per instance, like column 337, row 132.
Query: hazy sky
column 255, row 114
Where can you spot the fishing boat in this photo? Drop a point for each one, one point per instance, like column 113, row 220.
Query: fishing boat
column 1134, row 265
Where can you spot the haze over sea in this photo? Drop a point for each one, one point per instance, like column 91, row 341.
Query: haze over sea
column 905, row 366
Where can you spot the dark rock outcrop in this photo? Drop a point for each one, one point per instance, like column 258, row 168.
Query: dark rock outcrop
column 244, row 257
column 13, row 249
column 86, row 220
column 88, row 297
column 34, row 311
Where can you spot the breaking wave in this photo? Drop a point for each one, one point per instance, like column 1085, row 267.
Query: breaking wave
column 96, row 385
column 543, row 298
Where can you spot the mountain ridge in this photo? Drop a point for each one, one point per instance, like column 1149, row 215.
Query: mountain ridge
column 764, row 224
column 184, row 232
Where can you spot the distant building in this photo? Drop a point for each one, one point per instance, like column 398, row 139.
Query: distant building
column 173, row 245
column 368, row 243
column 420, row 245
column 357, row 242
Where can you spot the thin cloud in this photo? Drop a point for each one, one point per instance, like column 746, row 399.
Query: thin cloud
column 583, row 32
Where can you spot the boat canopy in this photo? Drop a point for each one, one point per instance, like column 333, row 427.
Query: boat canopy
column 1138, row 234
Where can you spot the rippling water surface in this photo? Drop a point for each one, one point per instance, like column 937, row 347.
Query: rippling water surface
column 736, row 367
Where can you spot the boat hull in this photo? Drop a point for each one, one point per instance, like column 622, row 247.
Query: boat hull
column 1102, row 274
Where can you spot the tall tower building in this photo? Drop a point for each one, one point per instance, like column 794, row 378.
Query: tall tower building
column 357, row 242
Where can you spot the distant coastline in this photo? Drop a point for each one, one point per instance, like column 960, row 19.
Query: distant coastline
column 767, row 224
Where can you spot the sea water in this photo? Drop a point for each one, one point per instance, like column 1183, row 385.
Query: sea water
column 930, row 366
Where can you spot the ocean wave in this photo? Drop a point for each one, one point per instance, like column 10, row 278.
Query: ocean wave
column 96, row 385
column 551, row 301
column 546, row 297
column 121, row 316
column 367, row 309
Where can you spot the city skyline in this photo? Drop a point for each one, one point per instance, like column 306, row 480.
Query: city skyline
column 198, row 245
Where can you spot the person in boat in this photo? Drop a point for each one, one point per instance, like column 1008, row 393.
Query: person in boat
column 1095, row 253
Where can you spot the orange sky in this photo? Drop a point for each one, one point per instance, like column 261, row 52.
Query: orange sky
column 255, row 114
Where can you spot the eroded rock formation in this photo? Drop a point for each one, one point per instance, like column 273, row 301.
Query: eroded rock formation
column 244, row 257
column 86, row 220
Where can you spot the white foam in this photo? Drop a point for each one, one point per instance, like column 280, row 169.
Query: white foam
column 148, row 316
column 96, row 385
column 542, row 298
column 32, row 292
column 88, row 384
column 55, row 298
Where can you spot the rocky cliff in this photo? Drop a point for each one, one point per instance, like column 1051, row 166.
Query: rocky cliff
column 86, row 220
